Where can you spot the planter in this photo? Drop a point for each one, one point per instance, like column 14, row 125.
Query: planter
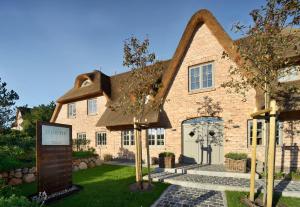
column 236, row 165
column 166, row 161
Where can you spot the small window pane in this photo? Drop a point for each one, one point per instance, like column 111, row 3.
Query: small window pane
column 92, row 106
column 151, row 136
column 194, row 78
column 128, row 137
column 160, row 136
column 101, row 138
column 71, row 110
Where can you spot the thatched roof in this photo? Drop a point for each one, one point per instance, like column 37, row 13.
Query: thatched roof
column 111, row 85
column 112, row 117
column 99, row 84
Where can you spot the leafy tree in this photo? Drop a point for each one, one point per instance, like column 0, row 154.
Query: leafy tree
column 266, row 52
column 139, row 90
column 7, row 102
column 38, row 113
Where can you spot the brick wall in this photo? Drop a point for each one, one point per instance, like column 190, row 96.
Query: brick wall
column 181, row 104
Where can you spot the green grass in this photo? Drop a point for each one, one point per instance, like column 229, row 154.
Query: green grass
column 234, row 199
column 106, row 185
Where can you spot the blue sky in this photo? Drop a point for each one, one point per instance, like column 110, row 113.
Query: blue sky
column 45, row 44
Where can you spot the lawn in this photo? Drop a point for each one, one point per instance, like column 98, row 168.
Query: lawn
column 106, row 185
column 234, row 198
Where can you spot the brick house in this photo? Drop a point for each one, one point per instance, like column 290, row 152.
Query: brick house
column 196, row 71
column 20, row 113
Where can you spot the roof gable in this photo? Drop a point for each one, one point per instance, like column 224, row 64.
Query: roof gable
column 199, row 18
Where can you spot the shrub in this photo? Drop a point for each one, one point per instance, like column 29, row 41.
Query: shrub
column 236, row 156
column 81, row 144
column 15, row 201
column 7, row 190
column 166, row 154
column 107, row 157
column 83, row 154
column 16, row 150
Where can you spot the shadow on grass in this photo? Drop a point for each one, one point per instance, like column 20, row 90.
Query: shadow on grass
column 106, row 185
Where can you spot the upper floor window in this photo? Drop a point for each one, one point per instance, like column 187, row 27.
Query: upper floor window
column 261, row 131
column 290, row 74
column 156, row 136
column 201, row 77
column 101, row 138
column 71, row 110
column 92, row 106
column 128, row 137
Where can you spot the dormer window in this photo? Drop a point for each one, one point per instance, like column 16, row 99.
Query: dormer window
column 87, row 82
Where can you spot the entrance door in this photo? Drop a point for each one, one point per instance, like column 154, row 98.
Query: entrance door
column 203, row 140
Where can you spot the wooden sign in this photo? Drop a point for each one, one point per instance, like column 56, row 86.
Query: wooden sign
column 53, row 157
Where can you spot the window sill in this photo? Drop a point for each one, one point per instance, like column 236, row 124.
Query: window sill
column 71, row 117
column 92, row 114
column 202, row 90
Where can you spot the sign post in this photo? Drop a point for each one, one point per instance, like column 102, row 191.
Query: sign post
column 53, row 157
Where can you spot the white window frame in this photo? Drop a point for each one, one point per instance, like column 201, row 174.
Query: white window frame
column 279, row 131
column 154, row 132
column 127, row 137
column 200, row 67
column 101, row 139
column 92, row 106
column 71, row 110
column 80, row 135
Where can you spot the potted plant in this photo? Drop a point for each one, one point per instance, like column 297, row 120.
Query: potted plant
column 166, row 160
column 236, row 162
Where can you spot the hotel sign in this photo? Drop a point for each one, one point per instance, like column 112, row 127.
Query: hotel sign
column 55, row 135
column 53, row 156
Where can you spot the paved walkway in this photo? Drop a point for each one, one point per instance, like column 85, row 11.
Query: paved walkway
column 284, row 187
column 176, row 196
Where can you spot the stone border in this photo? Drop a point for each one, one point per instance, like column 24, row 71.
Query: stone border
column 161, row 196
column 224, row 198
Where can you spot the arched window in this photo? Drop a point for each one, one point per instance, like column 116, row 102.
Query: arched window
column 87, row 82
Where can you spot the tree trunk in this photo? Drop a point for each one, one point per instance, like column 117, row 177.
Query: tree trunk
column 267, row 127
column 148, row 161
column 138, row 154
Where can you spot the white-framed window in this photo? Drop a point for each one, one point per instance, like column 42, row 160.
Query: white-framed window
column 156, row 136
column 81, row 135
column 290, row 74
column 261, row 131
column 201, row 77
column 127, row 137
column 71, row 110
column 92, row 106
column 101, row 138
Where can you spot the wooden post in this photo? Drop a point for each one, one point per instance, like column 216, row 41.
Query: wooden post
column 253, row 159
column 138, row 173
column 271, row 154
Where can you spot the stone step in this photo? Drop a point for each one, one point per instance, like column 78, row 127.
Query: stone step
column 283, row 187
column 196, row 170
column 204, row 182
column 221, row 174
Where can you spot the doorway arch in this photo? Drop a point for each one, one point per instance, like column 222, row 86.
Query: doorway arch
column 203, row 139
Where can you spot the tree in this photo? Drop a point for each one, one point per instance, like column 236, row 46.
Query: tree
column 38, row 113
column 139, row 90
column 266, row 51
column 7, row 102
